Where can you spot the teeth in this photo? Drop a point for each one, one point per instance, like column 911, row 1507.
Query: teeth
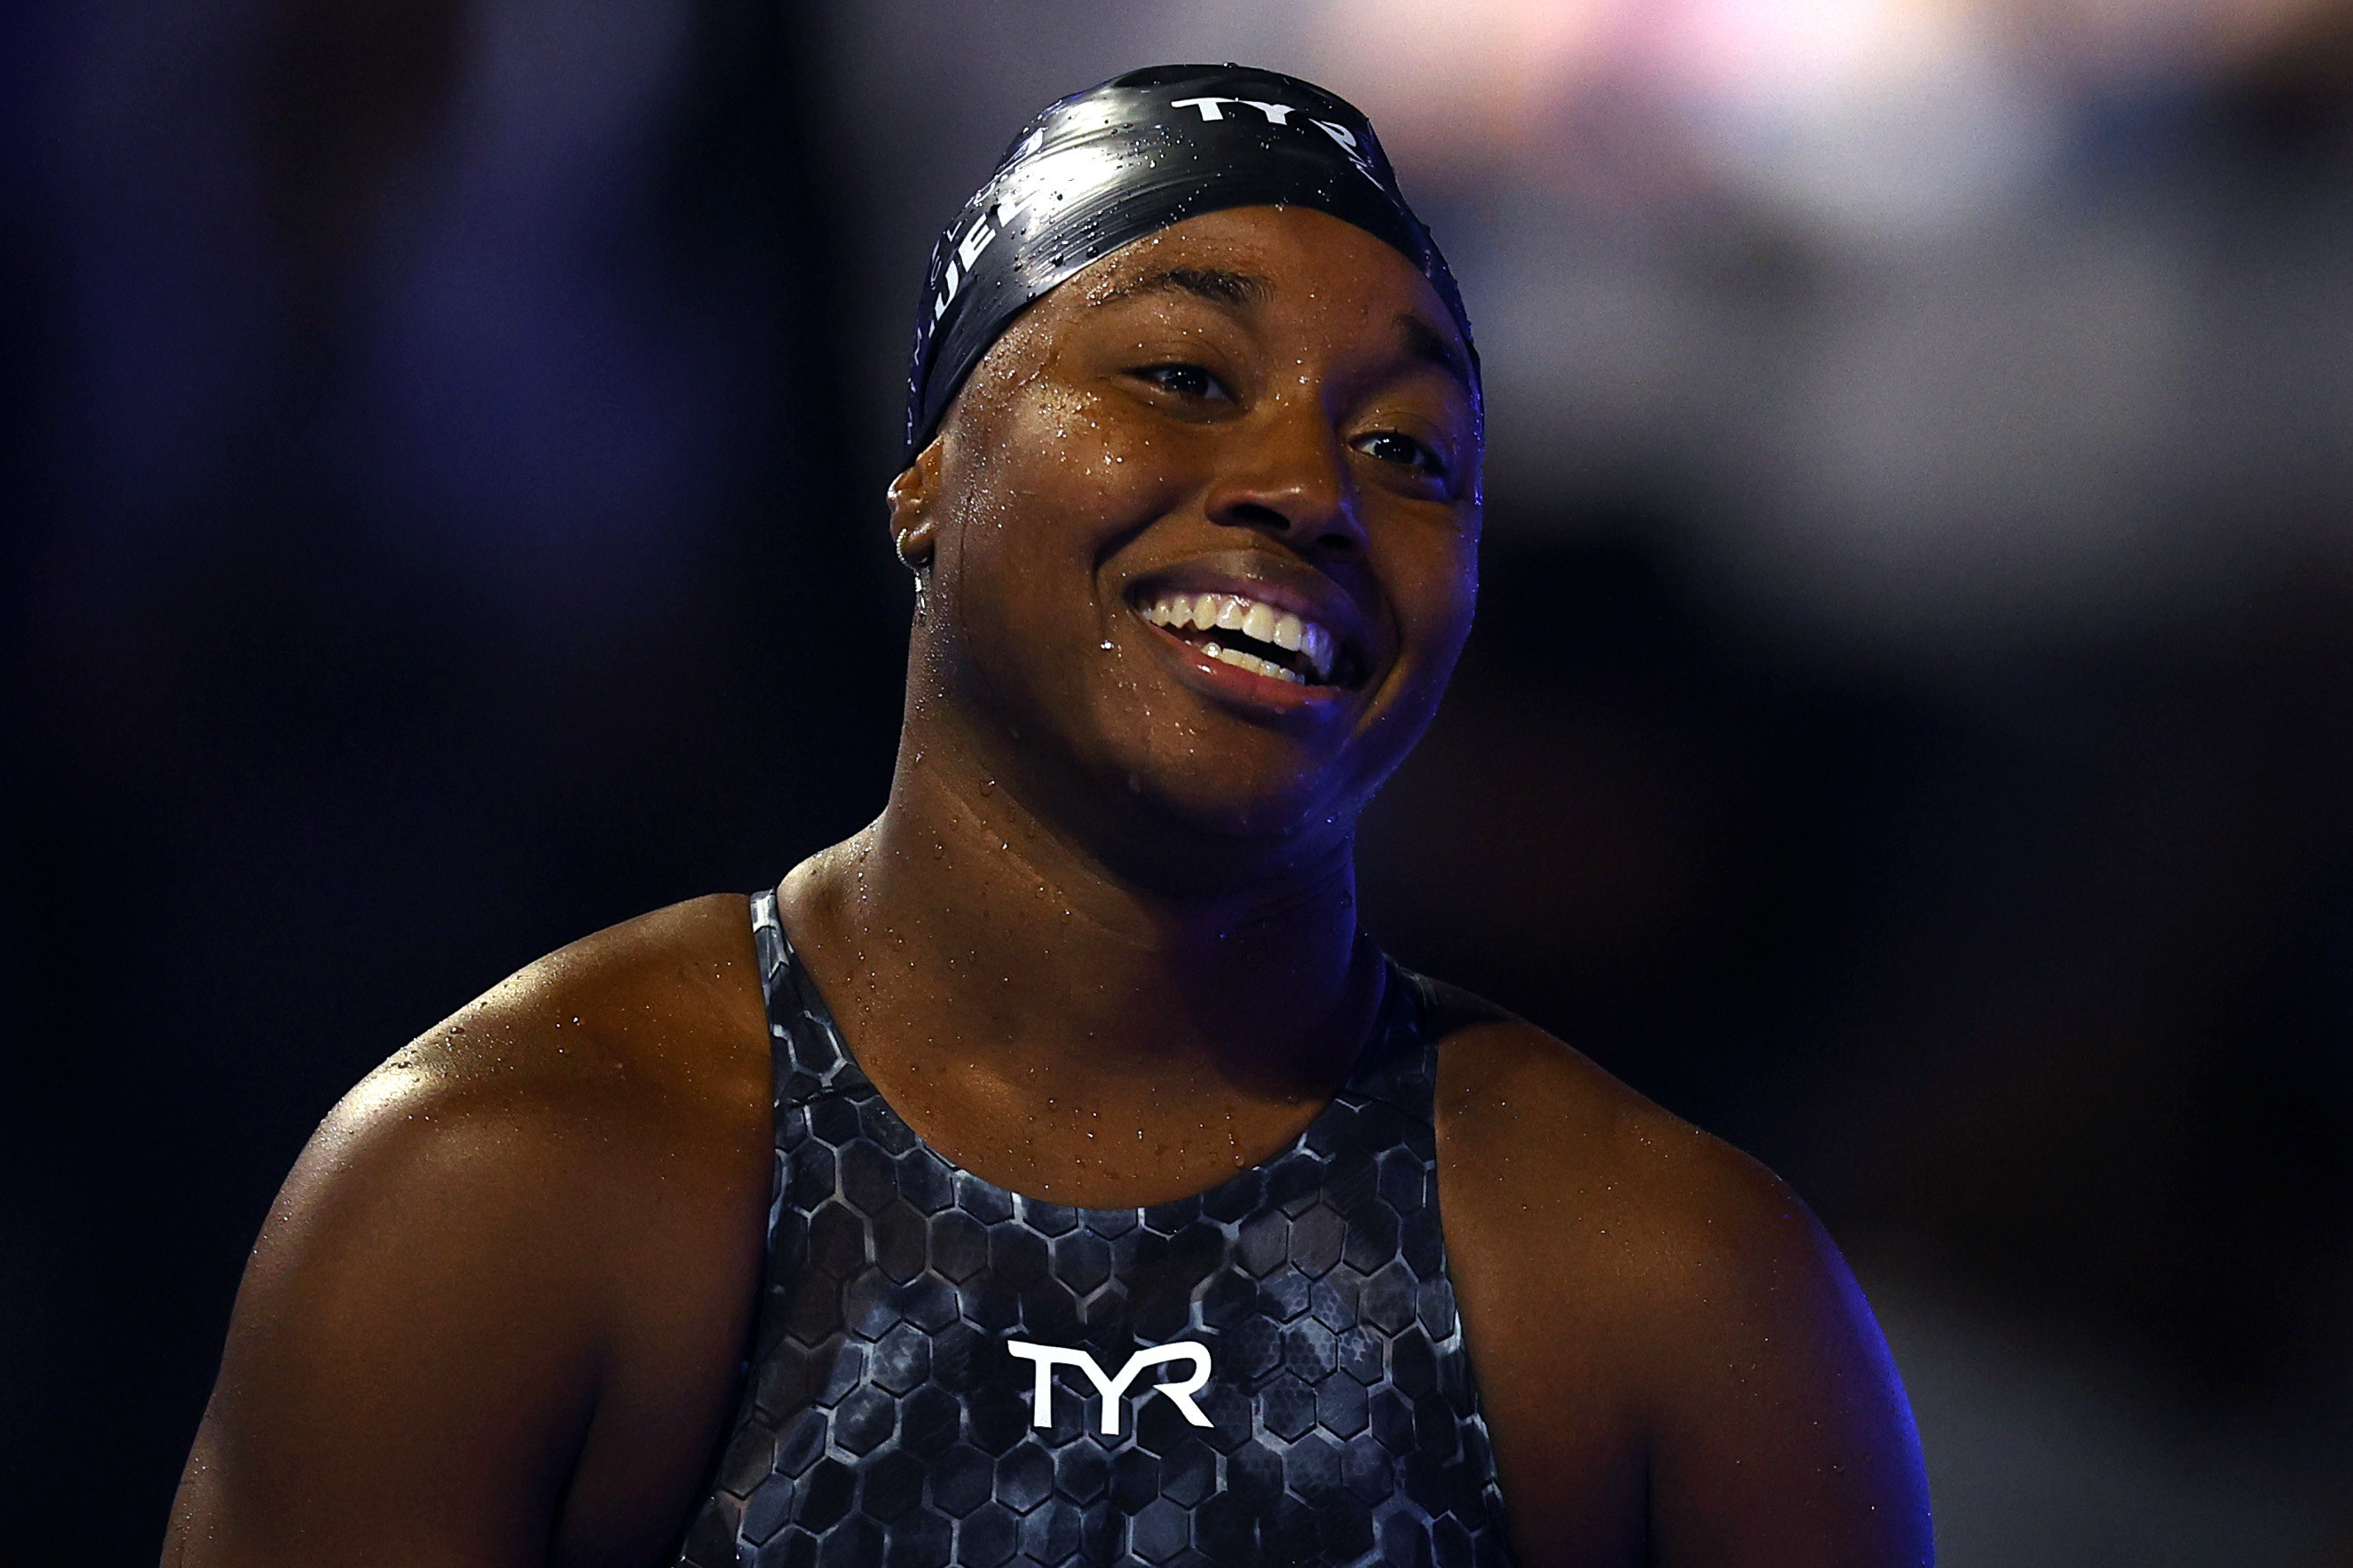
column 1316, row 646
column 1253, row 663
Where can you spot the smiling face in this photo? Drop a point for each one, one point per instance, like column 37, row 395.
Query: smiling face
column 1202, row 531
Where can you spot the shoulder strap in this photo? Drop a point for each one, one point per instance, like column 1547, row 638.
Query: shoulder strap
column 804, row 1048
column 1398, row 1067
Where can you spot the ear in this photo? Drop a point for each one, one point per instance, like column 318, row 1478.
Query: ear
column 911, row 497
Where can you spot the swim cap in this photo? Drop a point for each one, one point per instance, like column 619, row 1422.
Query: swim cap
column 1114, row 163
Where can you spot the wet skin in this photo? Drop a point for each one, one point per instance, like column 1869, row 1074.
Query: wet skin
column 1100, row 946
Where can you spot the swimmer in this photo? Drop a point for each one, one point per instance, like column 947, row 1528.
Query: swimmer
column 1055, row 1171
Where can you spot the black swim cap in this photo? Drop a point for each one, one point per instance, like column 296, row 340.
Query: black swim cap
column 1115, row 163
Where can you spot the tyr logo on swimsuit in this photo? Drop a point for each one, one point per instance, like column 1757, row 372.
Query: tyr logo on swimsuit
column 1180, row 1394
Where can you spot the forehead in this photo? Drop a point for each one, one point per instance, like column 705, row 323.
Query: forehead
column 1258, row 255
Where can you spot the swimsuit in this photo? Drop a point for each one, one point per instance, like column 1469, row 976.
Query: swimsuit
column 1270, row 1371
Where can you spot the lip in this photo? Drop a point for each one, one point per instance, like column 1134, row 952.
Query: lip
column 1242, row 688
column 1273, row 581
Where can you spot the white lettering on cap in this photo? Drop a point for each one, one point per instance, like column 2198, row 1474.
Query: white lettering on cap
column 1215, row 108
column 975, row 242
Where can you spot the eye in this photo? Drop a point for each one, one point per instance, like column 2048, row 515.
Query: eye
column 1188, row 380
column 1395, row 446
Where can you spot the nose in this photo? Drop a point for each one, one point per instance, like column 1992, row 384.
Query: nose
column 1287, row 476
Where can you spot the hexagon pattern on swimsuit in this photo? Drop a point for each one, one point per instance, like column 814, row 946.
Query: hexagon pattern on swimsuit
column 884, row 1421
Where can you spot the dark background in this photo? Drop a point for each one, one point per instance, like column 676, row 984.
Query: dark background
column 1909, row 730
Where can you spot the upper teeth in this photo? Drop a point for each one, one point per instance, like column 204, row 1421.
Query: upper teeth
column 1259, row 622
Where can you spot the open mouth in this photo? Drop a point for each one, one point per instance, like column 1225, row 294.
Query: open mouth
column 1247, row 634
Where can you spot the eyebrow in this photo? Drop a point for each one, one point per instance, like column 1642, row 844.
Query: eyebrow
column 1424, row 342
column 1231, row 289
column 1235, row 290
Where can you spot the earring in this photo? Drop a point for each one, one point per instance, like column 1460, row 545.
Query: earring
column 915, row 568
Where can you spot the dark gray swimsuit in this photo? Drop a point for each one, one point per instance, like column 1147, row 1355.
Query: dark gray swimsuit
column 886, row 1422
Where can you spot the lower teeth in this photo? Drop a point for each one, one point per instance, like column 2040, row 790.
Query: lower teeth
column 1253, row 663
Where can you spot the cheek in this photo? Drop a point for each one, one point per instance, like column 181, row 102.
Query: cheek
column 1443, row 575
column 1093, row 464
column 1049, row 489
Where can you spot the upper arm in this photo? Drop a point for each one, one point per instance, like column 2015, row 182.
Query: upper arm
column 1779, row 1430
column 1676, row 1364
column 495, row 1314
column 414, row 1354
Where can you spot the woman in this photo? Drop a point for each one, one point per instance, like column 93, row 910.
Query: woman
column 1085, row 1185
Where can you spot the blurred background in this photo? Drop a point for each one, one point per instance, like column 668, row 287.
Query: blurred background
column 1909, row 731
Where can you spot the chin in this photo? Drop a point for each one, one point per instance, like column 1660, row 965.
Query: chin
column 1189, row 803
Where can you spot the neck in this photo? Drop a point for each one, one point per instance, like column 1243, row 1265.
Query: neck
column 1034, row 1009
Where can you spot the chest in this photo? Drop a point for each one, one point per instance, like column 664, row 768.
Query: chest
column 947, row 1373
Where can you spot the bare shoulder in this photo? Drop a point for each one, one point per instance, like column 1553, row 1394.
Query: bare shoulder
column 646, row 1020
column 623, row 1064
column 510, row 1272
column 1540, row 1142
column 1674, row 1359
column 1570, row 1197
